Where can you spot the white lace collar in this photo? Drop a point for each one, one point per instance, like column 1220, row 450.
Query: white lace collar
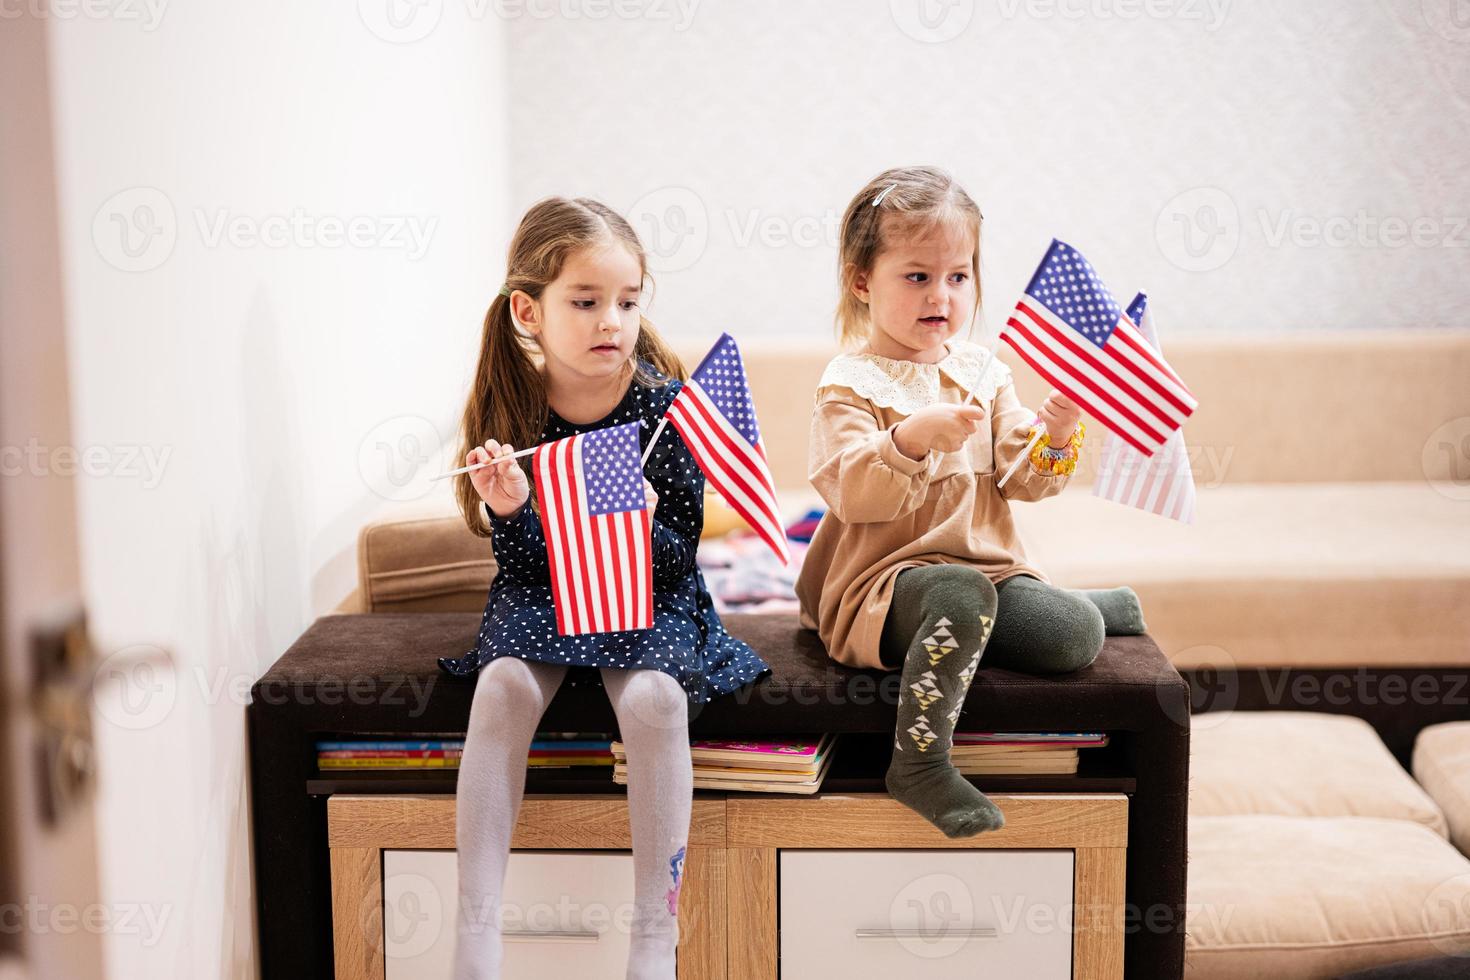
column 907, row 386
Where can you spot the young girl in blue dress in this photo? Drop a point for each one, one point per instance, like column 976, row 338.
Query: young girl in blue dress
column 566, row 350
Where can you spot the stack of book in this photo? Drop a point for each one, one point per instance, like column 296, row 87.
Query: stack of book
column 771, row 765
column 1021, row 753
column 389, row 754
column 558, row 750
column 549, row 750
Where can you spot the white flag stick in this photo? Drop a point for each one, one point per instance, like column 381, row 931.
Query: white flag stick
column 476, row 466
column 1025, row 454
column 971, row 396
column 656, row 433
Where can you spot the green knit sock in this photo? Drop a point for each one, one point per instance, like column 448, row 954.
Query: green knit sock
column 938, row 665
column 1122, row 613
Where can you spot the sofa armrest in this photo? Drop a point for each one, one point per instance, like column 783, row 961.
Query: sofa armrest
column 425, row 564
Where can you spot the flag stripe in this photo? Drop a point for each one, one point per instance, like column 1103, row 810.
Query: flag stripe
column 703, row 435
column 1143, row 364
column 587, row 557
column 554, row 530
column 1023, row 345
column 699, row 402
column 1099, row 366
column 572, row 503
column 1140, row 345
column 1162, row 484
column 731, row 472
column 622, row 526
column 601, row 534
column 644, row 564
column 1099, row 391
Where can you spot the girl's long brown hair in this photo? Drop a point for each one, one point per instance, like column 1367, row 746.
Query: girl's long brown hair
column 507, row 400
column 916, row 198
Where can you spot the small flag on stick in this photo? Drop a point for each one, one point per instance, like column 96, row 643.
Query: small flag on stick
column 1070, row 329
column 715, row 415
column 595, row 519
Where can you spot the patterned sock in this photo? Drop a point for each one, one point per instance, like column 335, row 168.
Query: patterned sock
column 937, row 669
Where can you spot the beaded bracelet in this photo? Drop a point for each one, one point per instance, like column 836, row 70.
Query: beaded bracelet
column 1059, row 462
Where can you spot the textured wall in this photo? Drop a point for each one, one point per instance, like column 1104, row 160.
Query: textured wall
column 1256, row 164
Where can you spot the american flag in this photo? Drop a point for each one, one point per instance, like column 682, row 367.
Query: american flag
column 1070, row 329
column 1161, row 484
column 715, row 415
column 597, row 527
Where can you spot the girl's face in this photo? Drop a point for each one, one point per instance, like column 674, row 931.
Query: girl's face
column 587, row 319
column 920, row 292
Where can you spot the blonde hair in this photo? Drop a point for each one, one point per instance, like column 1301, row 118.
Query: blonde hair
column 507, row 399
column 907, row 198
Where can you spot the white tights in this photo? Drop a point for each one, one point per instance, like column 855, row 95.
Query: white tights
column 652, row 709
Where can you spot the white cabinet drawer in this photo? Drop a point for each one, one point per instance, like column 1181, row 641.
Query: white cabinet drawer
column 566, row 914
column 940, row 915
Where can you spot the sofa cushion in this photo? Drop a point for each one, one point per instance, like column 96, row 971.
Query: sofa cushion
column 1274, row 575
column 1441, row 763
column 1308, row 575
column 1310, row 897
column 1299, row 763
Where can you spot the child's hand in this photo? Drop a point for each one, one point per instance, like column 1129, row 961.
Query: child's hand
column 1060, row 414
column 942, row 427
column 650, row 495
column 502, row 485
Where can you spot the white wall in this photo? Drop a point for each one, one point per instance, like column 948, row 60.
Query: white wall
column 239, row 387
column 1105, row 123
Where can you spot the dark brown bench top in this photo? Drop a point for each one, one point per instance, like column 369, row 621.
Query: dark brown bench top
column 379, row 672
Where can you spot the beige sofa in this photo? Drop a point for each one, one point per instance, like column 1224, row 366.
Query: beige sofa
column 1330, row 530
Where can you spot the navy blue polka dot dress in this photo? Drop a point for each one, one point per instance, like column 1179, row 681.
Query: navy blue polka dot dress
column 687, row 641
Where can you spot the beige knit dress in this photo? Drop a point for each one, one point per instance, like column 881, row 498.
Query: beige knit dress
column 887, row 512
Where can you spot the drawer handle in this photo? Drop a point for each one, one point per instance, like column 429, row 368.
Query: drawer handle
column 978, row 932
column 551, row 935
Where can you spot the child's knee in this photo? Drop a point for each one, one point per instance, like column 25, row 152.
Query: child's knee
column 652, row 699
column 1078, row 638
column 505, row 680
column 962, row 589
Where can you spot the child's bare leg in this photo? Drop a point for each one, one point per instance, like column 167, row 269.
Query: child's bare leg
column 936, row 629
column 511, row 695
column 653, row 719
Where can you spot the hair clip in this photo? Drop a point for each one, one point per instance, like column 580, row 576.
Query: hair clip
column 879, row 199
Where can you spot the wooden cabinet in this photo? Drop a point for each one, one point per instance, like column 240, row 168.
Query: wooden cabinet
column 855, row 872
